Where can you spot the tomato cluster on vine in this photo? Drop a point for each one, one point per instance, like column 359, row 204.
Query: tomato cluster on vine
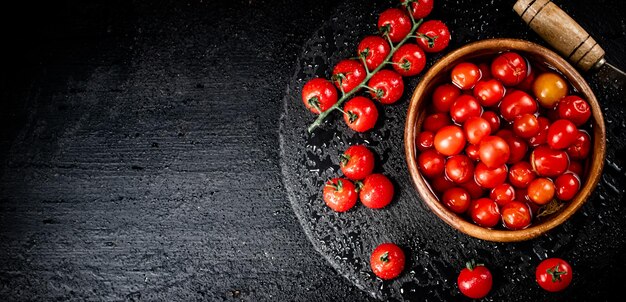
column 504, row 142
column 380, row 63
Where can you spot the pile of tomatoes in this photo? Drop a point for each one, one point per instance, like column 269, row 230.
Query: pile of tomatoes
column 503, row 140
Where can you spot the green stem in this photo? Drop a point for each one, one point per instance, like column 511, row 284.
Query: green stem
column 322, row 116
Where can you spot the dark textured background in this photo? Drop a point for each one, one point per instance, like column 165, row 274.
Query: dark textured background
column 139, row 151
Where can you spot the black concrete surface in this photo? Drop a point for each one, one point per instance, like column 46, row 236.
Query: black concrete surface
column 140, row 159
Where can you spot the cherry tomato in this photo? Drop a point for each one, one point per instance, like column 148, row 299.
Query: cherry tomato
column 441, row 184
column 377, row 191
column 518, row 148
column 542, row 136
column 502, row 194
column 456, row 199
column 517, row 103
column 348, row 74
column 443, row 97
column 387, row 261
column 581, row 147
column 493, row 119
column 526, row 126
column 475, row 191
column 360, row 114
column 485, row 212
column 489, row 92
column 424, row 140
column 575, row 109
column 561, row 134
column 374, row 49
column 465, row 107
column 409, row 60
column 318, row 94
column 541, row 190
column 465, row 75
column 567, row 185
column 459, row 168
column 449, row 140
column 394, row 23
column 576, row 167
column 493, row 151
column 549, row 162
column 476, row 128
column 387, row 86
column 510, row 68
column 357, row 162
column 434, row 37
column 489, row 178
column 521, row 174
column 436, row 121
column 516, row 215
column 472, row 152
column 549, row 88
column 339, row 194
column 419, row 8
column 475, row 280
column 554, row 274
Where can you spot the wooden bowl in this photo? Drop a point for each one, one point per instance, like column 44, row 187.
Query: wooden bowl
column 440, row 72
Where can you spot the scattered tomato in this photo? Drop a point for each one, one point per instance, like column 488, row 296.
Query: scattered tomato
column 554, row 274
column 339, row 194
column 357, row 162
column 475, row 280
column 387, row 261
column 376, row 192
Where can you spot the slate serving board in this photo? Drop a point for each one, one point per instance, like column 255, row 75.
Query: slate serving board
column 592, row 240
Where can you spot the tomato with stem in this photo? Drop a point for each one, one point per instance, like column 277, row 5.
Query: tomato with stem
column 408, row 60
column 395, row 24
column 386, row 86
column 339, row 194
column 475, row 280
column 554, row 274
column 348, row 74
column 318, row 95
column 374, row 50
column 357, row 162
column 419, row 8
column 387, row 261
column 433, row 36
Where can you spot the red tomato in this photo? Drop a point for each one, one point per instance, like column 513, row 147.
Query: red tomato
column 475, row 280
column 377, row 191
column 561, row 134
column 474, row 190
column 456, row 199
column 339, row 194
column 443, row 97
column 567, row 185
column 374, row 49
column 459, row 168
column 436, row 121
column 542, row 136
column 549, row 88
column 465, row 107
column 387, row 261
column 472, row 152
column 485, row 212
column 526, row 126
column 517, row 103
column 489, row 92
column 510, row 68
column 434, row 36
column 576, row 167
column 493, row 119
column 581, row 147
column 516, row 215
column 360, row 114
column 348, row 74
column 357, row 162
column 489, row 178
column 541, row 190
column 449, row 140
column 465, row 75
column 575, row 109
column 424, row 140
column 318, row 94
column 440, row 183
column 518, row 149
column 554, row 274
column 419, row 8
column 549, row 162
column 493, row 151
column 476, row 128
column 387, row 86
column 502, row 194
column 409, row 60
column 521, row 174
column 394, row 23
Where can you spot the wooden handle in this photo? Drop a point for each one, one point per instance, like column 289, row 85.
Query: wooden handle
column 561, row 31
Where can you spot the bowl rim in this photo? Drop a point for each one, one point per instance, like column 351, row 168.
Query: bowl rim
column 596, row 161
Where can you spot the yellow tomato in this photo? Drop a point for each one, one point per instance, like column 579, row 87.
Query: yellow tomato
column 549, row 88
